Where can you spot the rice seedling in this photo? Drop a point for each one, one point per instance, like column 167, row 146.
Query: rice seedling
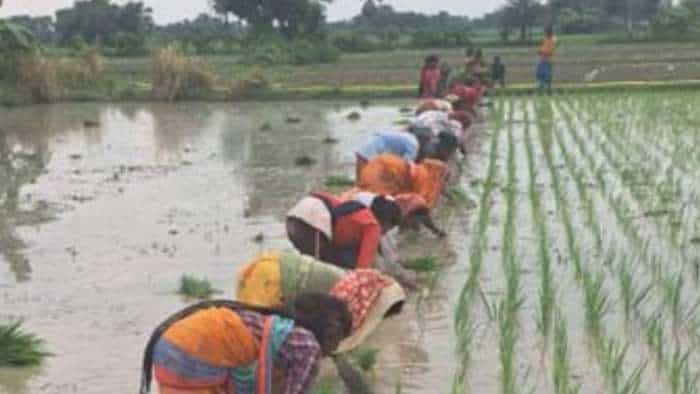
column 561, row 363
column 681, row 379
column 266, row 126
column 654, row 337
column 338, row 181
column 365, row 358
column 304, row 161
column 632, row 296
column 422, row 264
column 195, row 288
column 19, row 348
column 546, row 290
column 612, row 357
column 464, row 325
column 456, row 195
column 595, row 302
column 354, row 116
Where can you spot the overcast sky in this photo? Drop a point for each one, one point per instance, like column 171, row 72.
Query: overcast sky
column 166, row 11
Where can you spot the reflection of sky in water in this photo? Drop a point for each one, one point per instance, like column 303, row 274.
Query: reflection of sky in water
column 107, row 265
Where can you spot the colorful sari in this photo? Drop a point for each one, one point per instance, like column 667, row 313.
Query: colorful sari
column 273, row 279
column 389, row 175
column 213, row 351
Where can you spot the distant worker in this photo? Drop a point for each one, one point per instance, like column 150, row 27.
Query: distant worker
column 429, row 77
column 498, row 72
column 544, row 72
column 443, row 86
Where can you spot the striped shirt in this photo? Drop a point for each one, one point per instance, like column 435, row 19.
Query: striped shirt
column 298, row 357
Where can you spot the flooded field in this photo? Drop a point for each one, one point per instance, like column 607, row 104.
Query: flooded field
column 578, row 271
column 99, row 222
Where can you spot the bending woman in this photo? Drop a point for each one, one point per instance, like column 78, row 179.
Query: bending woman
column 389, row 175
column 273, row 280
column 224, row 347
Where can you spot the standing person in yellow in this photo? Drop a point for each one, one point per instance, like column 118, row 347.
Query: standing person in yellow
column 544, row 70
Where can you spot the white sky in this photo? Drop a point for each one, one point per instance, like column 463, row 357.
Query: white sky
column 166, row 11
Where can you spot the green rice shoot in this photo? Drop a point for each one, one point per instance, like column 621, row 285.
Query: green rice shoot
column 192, row 287
column 339, row 181
column 19, row 348
column 365, row 358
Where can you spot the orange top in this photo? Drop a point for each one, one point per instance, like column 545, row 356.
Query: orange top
column 547, row 47
column 390, row 175
column 360, row 230
column 216, row 336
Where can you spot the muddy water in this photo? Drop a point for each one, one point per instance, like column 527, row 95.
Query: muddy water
column 97, row 224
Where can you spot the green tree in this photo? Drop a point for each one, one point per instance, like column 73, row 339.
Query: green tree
column 291, row 18
column 521, row 14
column 97, row 20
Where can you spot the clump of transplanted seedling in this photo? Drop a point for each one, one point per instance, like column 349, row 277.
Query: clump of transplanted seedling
column 19, row 348
column 195, row 287
column 654, row 337
column 422, row 264
column 293, row 119
column 561, row 359
column 682, row 380
column 456, row 195
column 354, row 116
column 365, row 358
column 338, row 181
column 327, row 385
column 632, row 294
column 612, row 360
column 266, row 126
column 406, row 110
column 402, row 122
column 304, row 161
column 330, row 140
column 596, row 304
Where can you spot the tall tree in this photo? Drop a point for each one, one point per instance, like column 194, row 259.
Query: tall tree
column 96, row 20
column 523, row 14
column 288, row 17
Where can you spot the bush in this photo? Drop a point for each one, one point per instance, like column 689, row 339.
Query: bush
column 127, row 44
column 45, row 78
column 312, row 52
column 675, row 22
column 271, row 50
column 39, row 76
column 176, row 76
column 441, row 39
column 253, row 82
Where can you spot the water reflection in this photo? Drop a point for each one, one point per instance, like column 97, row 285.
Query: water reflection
column 265, row 145
column 20, row 164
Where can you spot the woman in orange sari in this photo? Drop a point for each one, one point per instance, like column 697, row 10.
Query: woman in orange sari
column 224, row 347
column 390, row 175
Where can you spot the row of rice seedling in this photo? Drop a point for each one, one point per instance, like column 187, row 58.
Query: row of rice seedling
column 666, row 190
column 596, row 301
column 631, row 296
column 465, row 325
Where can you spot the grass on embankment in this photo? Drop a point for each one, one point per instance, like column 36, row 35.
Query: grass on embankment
column 19, row 348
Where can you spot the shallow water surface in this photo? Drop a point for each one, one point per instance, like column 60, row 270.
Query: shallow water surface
column 97, row 225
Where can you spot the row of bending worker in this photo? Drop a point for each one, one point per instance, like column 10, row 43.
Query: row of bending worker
column 293, row 308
